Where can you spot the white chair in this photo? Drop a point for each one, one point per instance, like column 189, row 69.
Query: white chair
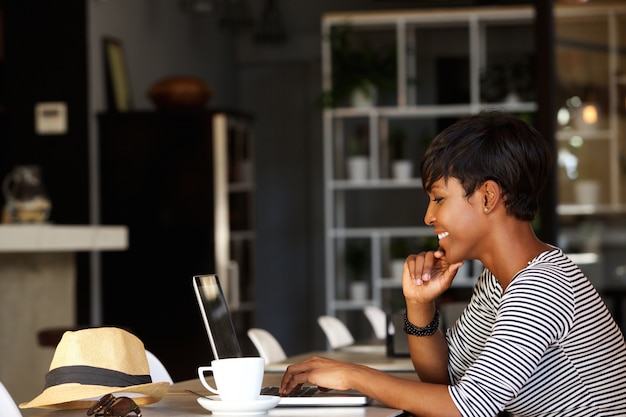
column 158, row 371
column 8, row 408
column 378, row 320
column 337, row 334
column 269, row 348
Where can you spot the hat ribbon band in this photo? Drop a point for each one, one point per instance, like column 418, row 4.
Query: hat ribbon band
column 90, row 375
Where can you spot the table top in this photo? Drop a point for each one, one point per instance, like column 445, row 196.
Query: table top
column 373, row 356
column 180, row 403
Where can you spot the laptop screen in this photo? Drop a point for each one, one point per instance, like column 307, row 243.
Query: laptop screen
column 224, row 344
column 216, row 317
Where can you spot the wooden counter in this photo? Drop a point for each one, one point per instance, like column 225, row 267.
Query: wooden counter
column 38, row 290
column 63, row 238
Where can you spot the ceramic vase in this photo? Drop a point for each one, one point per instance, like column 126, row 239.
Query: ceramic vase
column 402, row 169
column 358, row 290
column 358, row 168
column 587, row 191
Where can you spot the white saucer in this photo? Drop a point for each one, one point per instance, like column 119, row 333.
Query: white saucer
column 214, row 404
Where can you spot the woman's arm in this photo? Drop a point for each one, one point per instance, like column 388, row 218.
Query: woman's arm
column 418, row 398
column 429, row 354
column 425, row 277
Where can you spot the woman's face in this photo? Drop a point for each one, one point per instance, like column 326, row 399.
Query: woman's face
column 457, row 219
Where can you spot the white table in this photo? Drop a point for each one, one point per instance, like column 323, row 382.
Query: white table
column 180, row 403
column 373, row 356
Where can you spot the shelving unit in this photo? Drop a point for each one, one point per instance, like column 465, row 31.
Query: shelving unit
column 379, row 209
column 433, row 47
column 234, row 209
column 591, row 119
column 590, row 66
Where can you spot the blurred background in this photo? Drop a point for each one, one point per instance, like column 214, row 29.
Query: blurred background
column 119, row 106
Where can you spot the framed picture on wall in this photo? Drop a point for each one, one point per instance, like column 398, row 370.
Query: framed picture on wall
column 118, row 93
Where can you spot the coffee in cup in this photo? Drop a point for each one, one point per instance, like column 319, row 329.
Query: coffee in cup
column 237, row 379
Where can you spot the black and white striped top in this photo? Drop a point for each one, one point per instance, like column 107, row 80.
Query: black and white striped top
column 548, row 346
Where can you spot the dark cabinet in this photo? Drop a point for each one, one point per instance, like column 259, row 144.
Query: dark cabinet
column 169, row 178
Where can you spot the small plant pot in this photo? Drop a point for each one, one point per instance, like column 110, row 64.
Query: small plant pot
column 587, row 191
column 358, row 290
column 402, row 169
column 364, row 98
column 396, row 267
column 358, row 168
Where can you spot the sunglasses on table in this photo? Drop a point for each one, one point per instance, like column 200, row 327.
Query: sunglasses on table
column 111, row 406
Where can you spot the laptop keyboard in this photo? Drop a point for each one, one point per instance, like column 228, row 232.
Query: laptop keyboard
column 301, row 392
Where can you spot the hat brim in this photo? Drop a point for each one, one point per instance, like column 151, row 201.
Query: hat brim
column 72, row 396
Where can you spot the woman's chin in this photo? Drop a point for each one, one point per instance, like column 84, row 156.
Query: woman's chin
column 452, row 258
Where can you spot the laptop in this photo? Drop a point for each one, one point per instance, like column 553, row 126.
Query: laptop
column 224, row 344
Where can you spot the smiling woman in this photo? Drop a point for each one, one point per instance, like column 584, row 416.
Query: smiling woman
column 533, row 318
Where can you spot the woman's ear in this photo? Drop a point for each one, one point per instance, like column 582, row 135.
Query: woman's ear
column 491, row 195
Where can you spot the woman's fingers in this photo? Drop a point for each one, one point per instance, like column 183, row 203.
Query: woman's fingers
column 427, row 274
column 326, row 373
column 296, row 375
column 421, row 266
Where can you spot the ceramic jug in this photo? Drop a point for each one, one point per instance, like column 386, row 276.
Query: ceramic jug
column 25, row 196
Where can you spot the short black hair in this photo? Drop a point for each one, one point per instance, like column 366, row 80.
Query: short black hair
column 492, row 146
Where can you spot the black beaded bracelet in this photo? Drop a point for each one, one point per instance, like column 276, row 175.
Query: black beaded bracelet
column 429, row 330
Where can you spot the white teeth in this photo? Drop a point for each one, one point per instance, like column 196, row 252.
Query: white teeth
column 442, row 235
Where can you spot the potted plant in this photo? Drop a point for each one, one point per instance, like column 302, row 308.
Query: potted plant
column 401, row 247
column 580, row 170
column 359, row 70
column 357, row 159
column 401, row 166
column 586, row 187
column 357, row 260
column 398, row 251
column 509, row 81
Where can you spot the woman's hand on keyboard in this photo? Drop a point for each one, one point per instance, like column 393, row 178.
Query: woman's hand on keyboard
column 326, row 373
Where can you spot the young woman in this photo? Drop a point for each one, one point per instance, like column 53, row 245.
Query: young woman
column 536, row 338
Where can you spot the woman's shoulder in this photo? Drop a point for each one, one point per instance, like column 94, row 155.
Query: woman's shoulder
column 552, row 266
column 551, row 280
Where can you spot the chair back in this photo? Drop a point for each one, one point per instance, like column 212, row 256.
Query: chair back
column 158, row 371
column 266, row 344
column 378, row 320
column 8, row 407
column 337, row 334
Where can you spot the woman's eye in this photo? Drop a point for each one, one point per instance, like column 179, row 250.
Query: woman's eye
column 437, row 200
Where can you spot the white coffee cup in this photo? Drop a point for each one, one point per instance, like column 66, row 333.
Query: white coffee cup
column 237, row 379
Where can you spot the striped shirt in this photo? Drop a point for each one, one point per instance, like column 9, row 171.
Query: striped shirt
column 547, row 346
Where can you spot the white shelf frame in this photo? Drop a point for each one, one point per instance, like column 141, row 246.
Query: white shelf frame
column 224, row 125
column 612, row 13
column 404, row 23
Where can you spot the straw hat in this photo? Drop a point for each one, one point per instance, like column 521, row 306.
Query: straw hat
column 90, row 363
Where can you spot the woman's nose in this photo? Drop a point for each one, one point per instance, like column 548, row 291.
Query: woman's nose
column 429, row 216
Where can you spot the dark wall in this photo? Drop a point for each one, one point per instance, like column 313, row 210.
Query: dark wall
column 45, row 60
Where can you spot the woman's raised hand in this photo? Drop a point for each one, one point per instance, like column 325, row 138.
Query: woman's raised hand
column 427, row 275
